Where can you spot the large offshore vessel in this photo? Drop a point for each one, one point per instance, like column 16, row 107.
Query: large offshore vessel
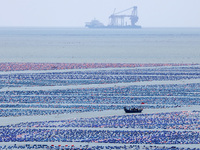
column 118, row 20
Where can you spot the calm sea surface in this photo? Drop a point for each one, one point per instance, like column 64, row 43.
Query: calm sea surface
column 148, row 45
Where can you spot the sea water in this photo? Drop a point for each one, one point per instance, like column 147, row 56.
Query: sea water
column 146, row 45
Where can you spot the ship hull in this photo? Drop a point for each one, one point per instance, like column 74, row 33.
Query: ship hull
column 115, row 27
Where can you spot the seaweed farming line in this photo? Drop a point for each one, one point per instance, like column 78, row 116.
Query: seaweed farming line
column 36, row 88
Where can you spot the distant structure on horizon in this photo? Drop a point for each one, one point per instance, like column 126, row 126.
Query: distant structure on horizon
column 118, row 20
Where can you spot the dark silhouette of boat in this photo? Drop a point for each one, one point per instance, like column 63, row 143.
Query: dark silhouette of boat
column 133, row 110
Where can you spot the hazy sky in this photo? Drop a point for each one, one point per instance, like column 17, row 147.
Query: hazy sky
column 69, row 13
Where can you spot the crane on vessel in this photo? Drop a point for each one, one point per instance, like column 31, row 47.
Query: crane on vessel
column 118, row 19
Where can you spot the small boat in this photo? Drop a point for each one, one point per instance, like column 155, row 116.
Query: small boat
column 133, row 110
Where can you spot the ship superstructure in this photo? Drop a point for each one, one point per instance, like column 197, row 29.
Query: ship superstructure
column 94, row 24
column 118, row 20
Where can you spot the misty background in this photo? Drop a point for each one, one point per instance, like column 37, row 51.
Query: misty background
column 74, row 13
